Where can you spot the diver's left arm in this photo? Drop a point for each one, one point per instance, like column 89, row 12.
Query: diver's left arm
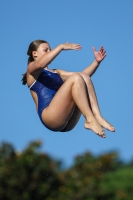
column 90, row 70
column 99, row 56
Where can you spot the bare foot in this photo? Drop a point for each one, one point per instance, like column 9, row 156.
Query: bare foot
column 105, row 124
column 95, row 127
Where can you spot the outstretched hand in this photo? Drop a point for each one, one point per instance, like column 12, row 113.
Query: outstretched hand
column 69, row 46
column 99, row 55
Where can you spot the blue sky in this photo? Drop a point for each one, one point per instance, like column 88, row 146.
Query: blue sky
column 89, row 23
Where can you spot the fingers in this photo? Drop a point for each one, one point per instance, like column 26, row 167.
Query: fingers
column 76, row 46
column 93, row 48
column 72, row 46
column 102, row 52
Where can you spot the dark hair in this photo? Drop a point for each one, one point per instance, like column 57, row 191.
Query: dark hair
column 32, row 47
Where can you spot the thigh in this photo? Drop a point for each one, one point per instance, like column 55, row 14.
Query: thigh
column 61, row 108
column 73, row 120
column 76, row 114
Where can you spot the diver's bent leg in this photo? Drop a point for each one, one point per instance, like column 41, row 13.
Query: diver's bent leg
column 60, row 110
column 94, row 103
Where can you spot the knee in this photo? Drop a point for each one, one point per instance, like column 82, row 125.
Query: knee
column 85, row 76
column 77, row 77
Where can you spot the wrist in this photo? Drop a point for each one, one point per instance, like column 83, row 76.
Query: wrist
column 97, row 62
column 61, row 47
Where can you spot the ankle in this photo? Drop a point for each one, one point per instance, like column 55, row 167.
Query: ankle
column 97, row 115
column 89, row 119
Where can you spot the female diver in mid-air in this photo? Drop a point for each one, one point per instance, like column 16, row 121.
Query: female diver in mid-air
column 60, row 96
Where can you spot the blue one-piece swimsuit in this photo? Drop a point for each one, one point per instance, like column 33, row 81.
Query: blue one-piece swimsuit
column 46, row 86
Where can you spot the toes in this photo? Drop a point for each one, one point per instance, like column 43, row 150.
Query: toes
column 113, row 128
column 102, row 134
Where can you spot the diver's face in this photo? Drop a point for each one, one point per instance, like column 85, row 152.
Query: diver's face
column 42, row 49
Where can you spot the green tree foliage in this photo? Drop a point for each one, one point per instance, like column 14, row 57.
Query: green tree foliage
column 29, row 175
column 33, row 175
column 117, row 185
column 82, row 180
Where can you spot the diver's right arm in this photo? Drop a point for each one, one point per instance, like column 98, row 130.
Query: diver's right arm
column 44, row 60
column 48, row 57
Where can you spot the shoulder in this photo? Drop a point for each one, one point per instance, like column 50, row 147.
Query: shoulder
column 32, row 69
column 30, row 66
column 32, row 72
